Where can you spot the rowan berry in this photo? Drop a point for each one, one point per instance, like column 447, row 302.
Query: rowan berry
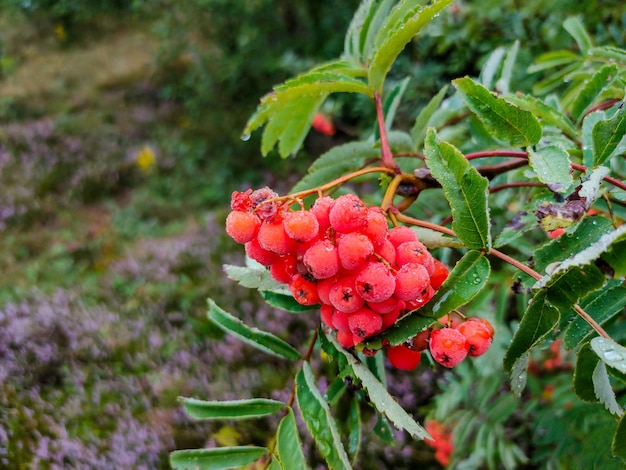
column 272, row 237
column 321, row 259
column 391, row 317
column 401, row 234
column 323, row 289
column 386, row 251
column 340, row 320
column 348, row 214
column 374, row 282
column 365, row 323
column 415, row 252
column 385, row 306
column 345, row 338
column 354, row 249
column 321, row 208
column 242, row 226
column 344, row 296
column 376, row 228
column 241, row 201
column 448, row 346
column 283, row 269
column 403, row 358
column 421, row 300
column 302, row 226
column 440, row 274
column 326, row 313
column 303, row 290
column 256, row 252
column 411, row 281
column 420, row 340
column 478, row 336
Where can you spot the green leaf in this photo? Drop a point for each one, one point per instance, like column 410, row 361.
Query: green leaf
column 556, row 79
column 337, row 162
column 403, row 24
column 589, row 122
column 552, row 165
column 433, row 239
column 288, row 444
column 255, row 276
column 539, row 319
column 615, row 257
column 216, row 459
column 619, row 440
column 383, row 430
column 466, row 191
column 602, row 307
column 519, row 375
column 256, row 338
column 586, row 362
column 592, row 89
column 286, row 302
column 610, row 352
column 381, row 398
column 504, row 84
column 553, row 59
column 575, row 27
column 319, row 420
column 492, row 64
column 378, row 19
column 418, row 132
column 392, row 101
column 608, row 52
column 233, row 409
column 607, row 135
column 505, row 121
column 545, row 112
column 355, row 426
column 604, row 392
column 466, row 279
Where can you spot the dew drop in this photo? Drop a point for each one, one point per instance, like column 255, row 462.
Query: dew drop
column 245, row 137
column 611, row 355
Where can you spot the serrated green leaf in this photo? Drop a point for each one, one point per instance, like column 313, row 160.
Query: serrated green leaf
column 592, row 89
column 610, row 352
column 256, row 338
column 375, row 26
column 556, row 79
column 545, row 112
column 607, row 135
column 357, row 30
column 589, row 122
column 418, row 132
column 355, row 426
column 566, row 287
column 576, row 28
column 586, row 361
column 288, row 444
column 539, row 319
column 615, row 257
column 286, row 302
column 491, row 66
column 519, row 375
column 604, row 392
column 602, row 307
column 383, row 430
column 552, row 165
column 466, row 191
column 608, row 52
column 402, row 26
column 505, row 121
column 392, row 101
column 465, row 280
column 380, row 397
column 319, row 420
column 216, row 459
column 254, row 277
column 231, row 409
column 337, row 162
column 619, row 440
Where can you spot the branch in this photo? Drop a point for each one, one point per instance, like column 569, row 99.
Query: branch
column 388, row 160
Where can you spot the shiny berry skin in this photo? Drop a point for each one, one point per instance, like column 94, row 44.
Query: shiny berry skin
column 303, row 290
column 411, row 281
column 321, row 259
column 242, row 226
column 344, row 296
column 283, row 269
column 376, row 228
column 301, row 226
column 401, row 234
column 321, row 208
column 440, row 274
column 326, row 313
column 448, row 347
column 374, row 282
column 478, row 335
column 415, row 252
column 346, row 339
column 259, row 254
column 386, row 251
column 365, row 323
column 272, row 237
column 348, row 214
column 403, row 358
column 353, row 250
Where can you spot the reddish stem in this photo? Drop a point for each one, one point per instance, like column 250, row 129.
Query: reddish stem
column 388, row 160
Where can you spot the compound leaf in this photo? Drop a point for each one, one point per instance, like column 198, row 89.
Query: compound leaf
column 586, row 362
column 607, row 135
column 610, row 352
column 552, row 165
column 592, row 89
column 288, row 444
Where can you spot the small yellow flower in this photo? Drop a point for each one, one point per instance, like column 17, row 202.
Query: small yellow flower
column 145, row 159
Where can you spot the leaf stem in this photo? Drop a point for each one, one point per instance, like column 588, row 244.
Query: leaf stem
column 387, row 156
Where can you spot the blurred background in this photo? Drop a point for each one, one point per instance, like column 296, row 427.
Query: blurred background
column 120, row 145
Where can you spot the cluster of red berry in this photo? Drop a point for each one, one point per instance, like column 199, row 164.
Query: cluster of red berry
column 343, row 255
column 441, row 441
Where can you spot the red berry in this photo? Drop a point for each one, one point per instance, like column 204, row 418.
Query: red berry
column 303, row 290
column 387, row 252
column 343, row 295
column 415, row 252
column 420, row 300
column 354, row 249
column 323, row 124
column 348, row 214
column 326, row 312
column 302, row 226
column 486, row 322
column 241, row 201
column 345, row 338
column 283, row 269
column 478, row 336
column 255, row 251
column 403, row 358
column 556, row 233
column 321, row 208
column 391, row 317
column 374, row 282
column 365, row 323
column 376, row 227
column 242, row 226
column 272, row 237
column 448, row 347
column 420, row 340
column 340, row 320
column 411, row 281
column 323, row 289
column 385, row 306
column 321, row 259
column 440, row 274
column 401, row 234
